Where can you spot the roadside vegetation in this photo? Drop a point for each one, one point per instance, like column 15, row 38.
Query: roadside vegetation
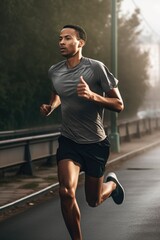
column 29, row 46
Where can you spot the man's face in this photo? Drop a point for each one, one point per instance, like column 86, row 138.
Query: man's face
column 69, row 42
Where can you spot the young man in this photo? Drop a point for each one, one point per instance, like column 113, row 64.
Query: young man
column 79, row 84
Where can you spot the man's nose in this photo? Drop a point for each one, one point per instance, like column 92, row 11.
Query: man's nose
column 61, row 42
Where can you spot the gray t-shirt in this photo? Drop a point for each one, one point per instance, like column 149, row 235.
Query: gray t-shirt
column 81, row 118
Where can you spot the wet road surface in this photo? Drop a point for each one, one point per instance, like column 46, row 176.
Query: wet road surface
column 138, row 218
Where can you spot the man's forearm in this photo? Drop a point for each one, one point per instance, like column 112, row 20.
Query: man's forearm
column 113, row 104
column 55, row 101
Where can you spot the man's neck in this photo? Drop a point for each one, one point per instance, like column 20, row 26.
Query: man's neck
column 73, row 61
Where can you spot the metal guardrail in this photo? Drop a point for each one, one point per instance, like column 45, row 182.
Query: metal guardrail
column 12, row 134
column 138, row 128
column 23, row 151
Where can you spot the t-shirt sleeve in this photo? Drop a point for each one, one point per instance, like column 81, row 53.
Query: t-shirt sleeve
column 106, row 78
column 50, row 72
column 51, row 77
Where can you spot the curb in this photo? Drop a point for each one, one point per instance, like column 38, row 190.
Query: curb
column 29, row 197
column 37, row 194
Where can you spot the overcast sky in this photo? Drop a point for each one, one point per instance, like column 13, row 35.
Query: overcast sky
column 150, row 13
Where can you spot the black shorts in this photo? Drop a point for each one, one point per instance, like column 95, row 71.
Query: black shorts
column 91, row 157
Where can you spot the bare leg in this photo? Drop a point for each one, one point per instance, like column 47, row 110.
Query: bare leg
column 68, row 173
column 97, row 191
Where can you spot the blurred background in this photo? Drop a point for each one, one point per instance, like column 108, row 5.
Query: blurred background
column 29, row 46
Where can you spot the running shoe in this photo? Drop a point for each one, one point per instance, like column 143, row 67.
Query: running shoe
column 118, row 194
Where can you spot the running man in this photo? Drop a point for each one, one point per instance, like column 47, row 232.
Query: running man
column 83, row 87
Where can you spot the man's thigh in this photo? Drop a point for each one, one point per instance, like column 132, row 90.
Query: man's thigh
column 68, row 173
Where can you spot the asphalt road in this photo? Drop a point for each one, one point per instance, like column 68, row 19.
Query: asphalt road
column 137, row 219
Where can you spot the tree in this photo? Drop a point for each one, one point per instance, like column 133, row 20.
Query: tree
column 24, row 42
column 29, row 46
column 133, row 63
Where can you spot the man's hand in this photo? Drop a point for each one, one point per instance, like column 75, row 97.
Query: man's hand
column 46, row 109
column 83, row 89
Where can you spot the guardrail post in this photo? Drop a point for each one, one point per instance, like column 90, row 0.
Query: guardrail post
column 128, row 138
column 26, row 168
column 150, row 126
column 157, row 123
column 50, row 159
column 138, row 130
column 145, row 126
column 158, row 120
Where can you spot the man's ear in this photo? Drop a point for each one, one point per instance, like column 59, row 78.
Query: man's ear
column 81, row 43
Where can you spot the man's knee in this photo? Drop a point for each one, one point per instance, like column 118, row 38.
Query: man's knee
column 66, row 193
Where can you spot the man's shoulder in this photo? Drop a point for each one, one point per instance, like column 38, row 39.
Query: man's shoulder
column 94, row 62
column 56, row 66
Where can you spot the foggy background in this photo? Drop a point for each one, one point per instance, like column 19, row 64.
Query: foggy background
column 29, row 46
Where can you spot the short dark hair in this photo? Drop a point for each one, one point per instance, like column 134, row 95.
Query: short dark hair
column 81, row 32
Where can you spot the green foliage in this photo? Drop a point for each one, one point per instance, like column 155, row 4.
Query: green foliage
column 29, row 46
column 24, row 62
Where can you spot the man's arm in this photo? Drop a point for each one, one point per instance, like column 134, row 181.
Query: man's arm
column 113, row 101
column 47, row 109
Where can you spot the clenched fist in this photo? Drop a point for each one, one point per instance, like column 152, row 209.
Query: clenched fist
column 83, row 89
column 46, row 109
